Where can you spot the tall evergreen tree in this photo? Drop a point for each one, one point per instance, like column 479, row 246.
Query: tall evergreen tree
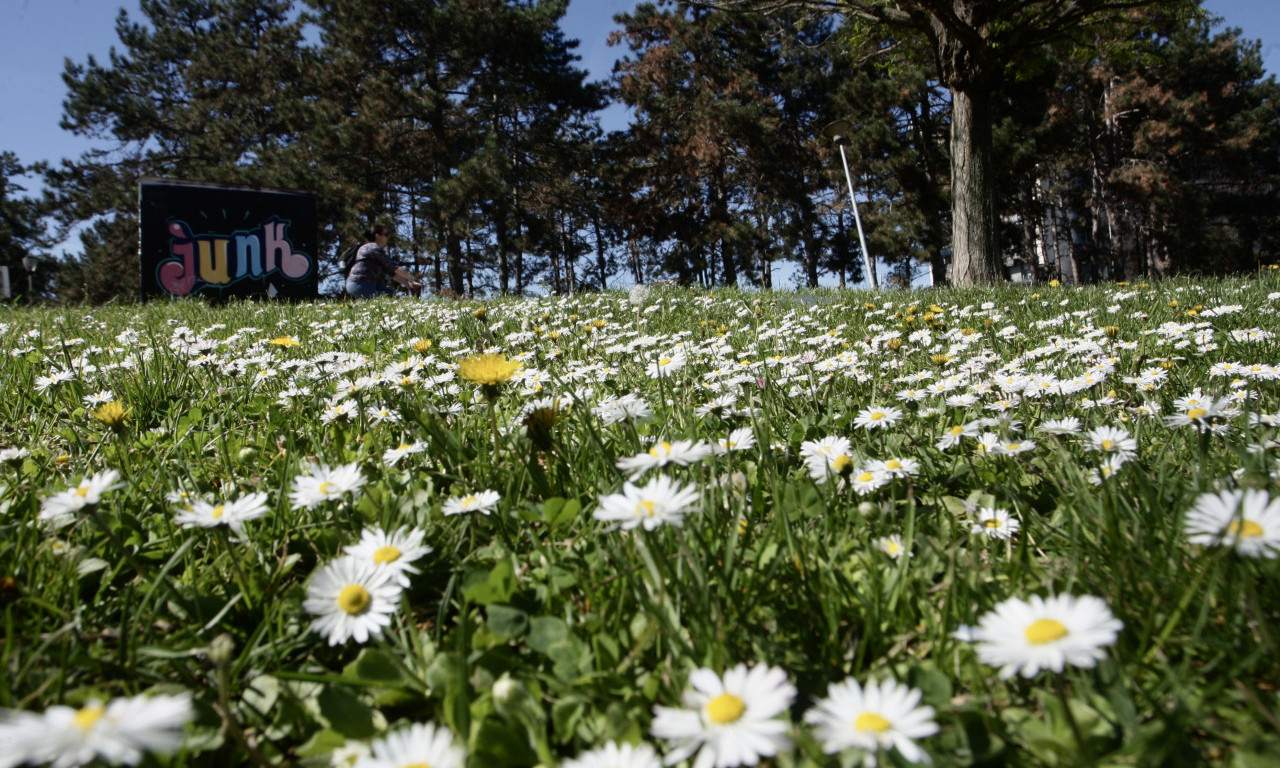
column 21, row 226
column 209, row 90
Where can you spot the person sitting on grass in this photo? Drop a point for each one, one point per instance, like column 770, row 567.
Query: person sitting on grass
column 373, row 269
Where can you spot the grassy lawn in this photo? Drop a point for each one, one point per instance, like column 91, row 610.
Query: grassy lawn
column 1011, row 526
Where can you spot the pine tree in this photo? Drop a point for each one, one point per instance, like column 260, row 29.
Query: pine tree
column 207, row 90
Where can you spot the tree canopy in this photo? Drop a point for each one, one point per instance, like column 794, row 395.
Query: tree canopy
column 1086, row 140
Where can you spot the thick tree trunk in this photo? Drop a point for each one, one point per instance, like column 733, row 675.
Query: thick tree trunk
column 975, row 249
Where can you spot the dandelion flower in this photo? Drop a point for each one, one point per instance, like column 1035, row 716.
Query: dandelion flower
column 394, row 551
column 874, row 718
column 488, row 370
column 325, row 484
column 1247, row 521
column 1022, row 636
column 351, row 599
column 418, row 745
column 483, row 502
column 119, row 731
column 727, row 721
column 660, row 501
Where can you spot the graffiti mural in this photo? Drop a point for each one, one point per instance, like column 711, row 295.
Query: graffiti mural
column 217, row 241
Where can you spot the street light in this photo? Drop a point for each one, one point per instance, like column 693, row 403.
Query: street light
column 30, row 263
column 838, row 132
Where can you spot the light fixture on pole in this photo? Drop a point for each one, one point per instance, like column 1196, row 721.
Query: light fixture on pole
column 30, row 263
column 838, row 132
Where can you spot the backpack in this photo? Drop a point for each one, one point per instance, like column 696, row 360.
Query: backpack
column 348, row 259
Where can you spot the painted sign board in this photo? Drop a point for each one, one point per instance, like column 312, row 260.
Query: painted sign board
column 218, row 241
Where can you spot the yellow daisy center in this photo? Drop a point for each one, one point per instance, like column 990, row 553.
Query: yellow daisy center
column 1044, row 631
column 404, row 447
column 870, row 721
column 866, row 477
column 217, row 512
column 892, row 547
column 385, row 555
column 644, row 509
column 993, row 523
column 82, row 491
column 1108, row 445
column 87, row 716
column 661, row 449
column 665, row 361
column 1013, row 446
column 893, row 464
column 418, row 765
column 354, row 598
column 1196, row 413
column 725, row 708
column 326, row 488
column 878, row 415
column 957, row 430
column 842, row 464
column 1247, row 529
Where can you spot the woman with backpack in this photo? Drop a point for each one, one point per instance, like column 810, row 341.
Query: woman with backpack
column 374, row 269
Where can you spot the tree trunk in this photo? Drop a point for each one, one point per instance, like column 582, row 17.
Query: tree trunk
column 975, row 249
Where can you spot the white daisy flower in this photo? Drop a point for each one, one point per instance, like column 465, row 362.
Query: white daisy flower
column 119, row 731
column 483, row 502
column 877, row 418
column 740, row 439
column 614, row 755
column 351, row 599
column 1245, row 520
column 954, row 435
column 682, row 452
column 59, row 510
column 197, row 513
column 1069, row 425
column 661, row 501
column 326, row 484
column 826, row 458
column 874, row 718
column 1112, row 440
column 727, row 721
column 866, row 480
column 392, row 456
column 995, row 524
column 891, row 545
column 419, row 744
column 393, row 551
column 1027, row 636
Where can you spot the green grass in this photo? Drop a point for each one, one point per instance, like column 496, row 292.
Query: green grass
column 595, row 626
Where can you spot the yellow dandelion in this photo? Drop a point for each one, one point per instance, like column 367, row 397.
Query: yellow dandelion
column 488, row 370
column 113, row 414
column 285, row 341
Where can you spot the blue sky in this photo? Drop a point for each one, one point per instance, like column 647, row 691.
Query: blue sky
column 39, row 34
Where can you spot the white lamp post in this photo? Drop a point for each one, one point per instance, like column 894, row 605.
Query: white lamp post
column 839, row 133
column 30, row 263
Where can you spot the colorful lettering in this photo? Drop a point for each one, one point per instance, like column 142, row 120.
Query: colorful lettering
column 222, row 260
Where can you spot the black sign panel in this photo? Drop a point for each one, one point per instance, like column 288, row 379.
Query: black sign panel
column 216, row 241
